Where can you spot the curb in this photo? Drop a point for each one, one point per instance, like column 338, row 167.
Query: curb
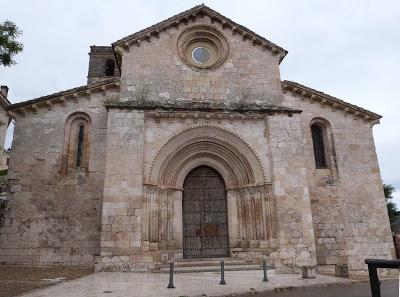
column 281, row 289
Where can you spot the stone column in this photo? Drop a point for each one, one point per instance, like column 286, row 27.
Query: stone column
column 178, row 220
column 162, row 218
column 251, row 216
column 233, row 219
column 122, row 204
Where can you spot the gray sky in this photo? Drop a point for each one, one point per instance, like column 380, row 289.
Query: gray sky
column 347, row 48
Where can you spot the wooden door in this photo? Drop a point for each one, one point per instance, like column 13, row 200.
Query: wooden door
column 205, row 219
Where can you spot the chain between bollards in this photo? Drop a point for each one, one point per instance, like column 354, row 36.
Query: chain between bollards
column 265, row 279
column 171, row 276
column 222, row 282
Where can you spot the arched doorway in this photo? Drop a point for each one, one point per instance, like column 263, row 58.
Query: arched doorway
column 205, row 219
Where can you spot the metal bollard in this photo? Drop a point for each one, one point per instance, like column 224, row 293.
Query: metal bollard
column 265, row 279
column 171, row 276
column 222, row 282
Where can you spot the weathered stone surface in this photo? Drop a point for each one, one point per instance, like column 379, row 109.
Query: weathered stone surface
column 348, row 206
column 54, row 219
column 309, row 272
column 99, row 57
column 124, row 210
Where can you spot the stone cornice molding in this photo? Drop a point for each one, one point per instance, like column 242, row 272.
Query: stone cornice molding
column 194, row 115
column 180, row 106
column 329, row 101
column 190, row 15
column 75, row 94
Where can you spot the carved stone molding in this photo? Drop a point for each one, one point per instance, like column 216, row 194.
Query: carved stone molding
column 211, row 145
column 205, row 36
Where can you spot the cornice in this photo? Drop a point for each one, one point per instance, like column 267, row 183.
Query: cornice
column 75, row 94
column 203, row 106
column 182, row 116
column 306, row 93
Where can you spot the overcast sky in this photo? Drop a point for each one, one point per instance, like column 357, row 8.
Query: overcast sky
column 347, row 48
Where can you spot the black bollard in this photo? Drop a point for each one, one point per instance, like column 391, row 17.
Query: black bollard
column 265, row 279
column 171, row 276
column 222, row 282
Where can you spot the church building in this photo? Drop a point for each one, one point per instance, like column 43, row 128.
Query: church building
column 186, row 144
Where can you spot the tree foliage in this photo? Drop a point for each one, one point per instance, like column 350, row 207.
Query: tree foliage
column 9, row 46
column 391, row 206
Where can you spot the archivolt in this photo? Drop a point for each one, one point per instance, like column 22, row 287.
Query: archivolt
column 210, row 145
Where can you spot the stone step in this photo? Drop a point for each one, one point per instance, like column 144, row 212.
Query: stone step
column 213, row 268
column 209, row 262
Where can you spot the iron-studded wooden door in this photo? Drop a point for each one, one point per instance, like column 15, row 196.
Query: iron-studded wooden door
column 205, row 219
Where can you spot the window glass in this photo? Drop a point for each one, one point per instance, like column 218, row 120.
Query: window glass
column 201, row 55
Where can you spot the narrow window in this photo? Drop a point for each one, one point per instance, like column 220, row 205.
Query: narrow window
column 110, row 67
column 75, row 155
column 80, row 146
column 319, row 147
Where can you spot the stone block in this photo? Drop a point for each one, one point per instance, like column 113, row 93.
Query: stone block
column 342, row 270
column 308, row 272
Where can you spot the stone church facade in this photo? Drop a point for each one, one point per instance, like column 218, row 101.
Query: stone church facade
column 185, row 143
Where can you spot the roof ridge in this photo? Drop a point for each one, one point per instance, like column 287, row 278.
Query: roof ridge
column 332, row 98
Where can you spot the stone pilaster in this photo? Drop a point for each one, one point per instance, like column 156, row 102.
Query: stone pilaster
column 121, row 229
column 290, row 189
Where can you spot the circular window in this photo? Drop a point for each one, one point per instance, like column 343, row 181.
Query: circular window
column 203, row 47
column 201, row 55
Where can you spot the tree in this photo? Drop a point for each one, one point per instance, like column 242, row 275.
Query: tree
column 9, row 46
column 391, row 206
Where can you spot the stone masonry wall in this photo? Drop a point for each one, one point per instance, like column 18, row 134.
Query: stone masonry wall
column 290, row 188
column 325, row 216
column 122, row 221
column 98, row 57
column 248, row 73
column 157, row 133
column 122, row 205
column 54, row 219
column 349, row 212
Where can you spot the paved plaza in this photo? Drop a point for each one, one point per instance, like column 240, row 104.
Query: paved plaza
column 187, row 284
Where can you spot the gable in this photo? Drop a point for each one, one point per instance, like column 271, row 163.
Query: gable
column 189, row 16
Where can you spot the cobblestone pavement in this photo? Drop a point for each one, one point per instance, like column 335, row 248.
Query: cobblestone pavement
column 15, row 280
column 389, row 288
